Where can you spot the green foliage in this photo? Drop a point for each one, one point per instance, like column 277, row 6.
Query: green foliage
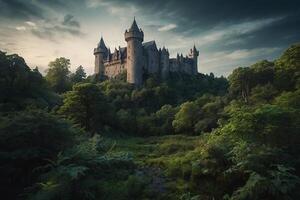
column 277, row 184
column 85, row 105
column 240, row 82
column 83, row 172
column 287, row 69
column 137, row 110
column 186, row 117
column 163, row 119
column 78, row 76
column 21, row 87
column 289, row 99
column 200, row 115
column 248, row 147
column 283, row 74
column 58, row 75
column 262, row 94
column 26, row 139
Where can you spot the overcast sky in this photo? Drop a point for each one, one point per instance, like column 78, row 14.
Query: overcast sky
column 227, row 33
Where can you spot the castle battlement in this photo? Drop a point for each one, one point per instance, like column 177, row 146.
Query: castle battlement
column 138, row 58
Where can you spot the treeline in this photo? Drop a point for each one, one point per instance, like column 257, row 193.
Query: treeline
column 116, row 106
column 46, row 148
column 50, row 126
column 254, row 152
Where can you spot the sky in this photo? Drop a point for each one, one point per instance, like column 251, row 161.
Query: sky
column 228, row 34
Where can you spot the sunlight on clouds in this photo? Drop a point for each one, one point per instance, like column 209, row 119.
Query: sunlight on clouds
column 95, row 3
column 222, row 31
column 21, row 28
column 167, row 27
column 225, row 61
column 175, row 42
column 75, row 32
column 31, row 23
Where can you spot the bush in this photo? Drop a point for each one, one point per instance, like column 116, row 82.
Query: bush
column 27, row 139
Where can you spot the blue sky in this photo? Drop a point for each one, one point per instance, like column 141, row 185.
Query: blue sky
column 228, row 34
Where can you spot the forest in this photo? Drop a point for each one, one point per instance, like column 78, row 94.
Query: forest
column 68, row 136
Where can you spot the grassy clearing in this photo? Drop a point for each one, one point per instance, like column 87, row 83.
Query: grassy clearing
column 164, row 157
column 146, row 151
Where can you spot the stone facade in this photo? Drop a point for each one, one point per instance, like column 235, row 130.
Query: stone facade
column 139, row 58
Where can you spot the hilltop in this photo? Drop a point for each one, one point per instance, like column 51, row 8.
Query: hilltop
column 68, row 136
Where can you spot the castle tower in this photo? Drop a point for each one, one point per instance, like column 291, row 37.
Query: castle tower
column 134, row 38
column 194, row 55
column 100, row 54
column 164, row 62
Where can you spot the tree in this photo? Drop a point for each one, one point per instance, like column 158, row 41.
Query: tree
column 241, row 82
column 21, row 87
column 58, row 75
column 164, row 118
column 186, row 117
column 263, row 72
column 27, row 140
column 263, row 94
column 289, row 99
column 287, row 67
column 79, row 75
column 211, row 112
column 86, row 106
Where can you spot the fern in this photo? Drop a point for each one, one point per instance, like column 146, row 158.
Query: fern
column 279, row 184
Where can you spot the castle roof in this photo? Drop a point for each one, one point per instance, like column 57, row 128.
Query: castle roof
column 101, row 44
column 149, row 44
column 134, row 26
column 194, row 48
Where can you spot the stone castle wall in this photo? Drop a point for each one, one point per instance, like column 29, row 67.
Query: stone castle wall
column 113, row 68
column 139, row 58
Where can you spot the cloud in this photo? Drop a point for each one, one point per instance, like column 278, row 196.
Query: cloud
column 70, row 21
column 167, row 27
column 18, row 9
column 54, row 30
column 223, row 62
column 227, row 35
column 249, row 53
column 32, row 24
column 203, row 13
column 197, row 17
column 21, row 28
column 95, row 3
column 33, row 9
column 230, row 33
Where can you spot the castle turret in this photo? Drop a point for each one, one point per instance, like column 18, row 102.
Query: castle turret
column 115, row 55
column 164, row 62
column 108, row 58
column 194, row 55
column 100, row 54
column 134, row 38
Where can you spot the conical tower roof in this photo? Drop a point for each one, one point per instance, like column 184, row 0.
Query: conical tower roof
column 194, row 48
column 101, row 44
column 134, row 32
column 134, row 26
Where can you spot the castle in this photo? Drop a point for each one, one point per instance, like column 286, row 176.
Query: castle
column 139, row 58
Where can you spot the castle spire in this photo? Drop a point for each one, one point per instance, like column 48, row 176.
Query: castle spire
column 101, row 44
column 194, row 48
column 108, row 54
column 134, row 26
